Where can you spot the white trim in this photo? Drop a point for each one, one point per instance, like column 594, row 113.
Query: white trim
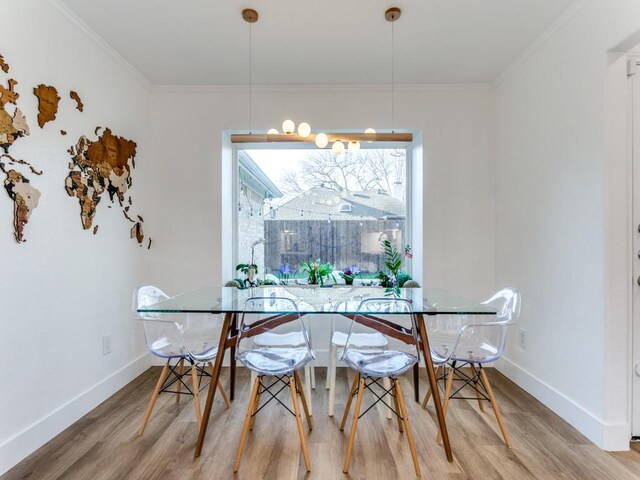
column 539, row 42
column 27, row 441
column 98, row 40
column 608, row 436
column 429, row 87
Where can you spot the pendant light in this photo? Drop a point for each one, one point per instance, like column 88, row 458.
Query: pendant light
column 391, row 15
column 250, row 16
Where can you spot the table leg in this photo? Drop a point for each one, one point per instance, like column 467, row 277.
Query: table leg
column 416, row 382
column 215, row 376
column 433, row 383
column 232, row 359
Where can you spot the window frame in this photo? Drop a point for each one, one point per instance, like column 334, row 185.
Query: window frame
column 237, row 147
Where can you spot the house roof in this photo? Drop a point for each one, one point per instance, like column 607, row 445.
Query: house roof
column 253, row 176
column 319, row 202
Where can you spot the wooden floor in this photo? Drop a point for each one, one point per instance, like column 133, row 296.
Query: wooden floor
column 103, row 444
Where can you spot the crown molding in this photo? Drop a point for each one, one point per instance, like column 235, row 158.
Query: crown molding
column 431, row 87
column 98, row 40
column 539, row 42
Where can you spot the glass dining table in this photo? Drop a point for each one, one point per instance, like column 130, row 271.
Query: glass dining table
column 317, row 301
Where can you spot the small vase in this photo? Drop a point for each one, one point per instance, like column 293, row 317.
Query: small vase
column 251, row 273
column 348, row 281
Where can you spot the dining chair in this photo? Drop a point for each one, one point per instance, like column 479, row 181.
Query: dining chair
column 172, row 338
column 338, row 340
column 478, row 343
column 277, row 364
column 394, row 319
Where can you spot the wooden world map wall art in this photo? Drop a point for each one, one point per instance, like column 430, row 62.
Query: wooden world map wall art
column 100, row 165
column 48, row 99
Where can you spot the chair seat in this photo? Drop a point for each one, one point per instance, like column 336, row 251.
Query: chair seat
column 275, row 360
column 165, row 349
column 379, row 362
column 339, row 339
column 269, row 339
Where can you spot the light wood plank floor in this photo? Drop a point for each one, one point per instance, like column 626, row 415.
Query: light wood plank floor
column 103, row 444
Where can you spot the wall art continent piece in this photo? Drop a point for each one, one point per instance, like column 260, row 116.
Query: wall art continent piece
column 48, row 99
column 101, row 165
column 76, row 97
column 4, row 66
column 12, row 126
column 25, row 196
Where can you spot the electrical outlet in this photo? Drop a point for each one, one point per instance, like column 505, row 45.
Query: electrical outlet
column 522, row 339
column 106, row 345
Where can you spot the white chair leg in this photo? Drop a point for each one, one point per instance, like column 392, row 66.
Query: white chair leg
column 331, row 373
column 330, row 365
column 387, row 399
column 307, row 386
column 312, row 367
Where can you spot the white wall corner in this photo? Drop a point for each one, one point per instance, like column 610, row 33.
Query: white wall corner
column 608, row 436
column 27, row 441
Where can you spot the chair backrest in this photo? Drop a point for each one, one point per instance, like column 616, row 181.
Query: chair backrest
column 391, row 317
column 484, row 341
column 277, row 316
column 162, row 335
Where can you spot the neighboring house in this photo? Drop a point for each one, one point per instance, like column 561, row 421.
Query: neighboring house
column 344, row 228
column 255, row 187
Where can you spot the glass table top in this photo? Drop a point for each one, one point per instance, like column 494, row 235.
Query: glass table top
column 318, row 300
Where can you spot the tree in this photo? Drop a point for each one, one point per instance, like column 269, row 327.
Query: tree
column 369, row 169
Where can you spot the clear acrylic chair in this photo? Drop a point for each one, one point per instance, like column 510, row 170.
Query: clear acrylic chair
column 276, row 365
column 393, row 318
column 172, row 337
column 338, row 340
column 480, row 342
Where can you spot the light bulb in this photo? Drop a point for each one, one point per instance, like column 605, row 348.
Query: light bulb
column 288, row 126
column 337, row 148
column 304, row 129
column 272, row 131
column 322, row 140
column 354, row 146
column 370, row 131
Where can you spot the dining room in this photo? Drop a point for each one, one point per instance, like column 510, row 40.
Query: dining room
column 320, row 240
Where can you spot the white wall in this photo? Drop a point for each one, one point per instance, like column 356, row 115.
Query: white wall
column 66, row 288
column 556, row 195
column 188, row 126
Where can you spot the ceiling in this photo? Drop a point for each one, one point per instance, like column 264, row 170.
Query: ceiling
column 318, row 42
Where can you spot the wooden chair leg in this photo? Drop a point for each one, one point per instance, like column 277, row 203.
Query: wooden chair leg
column 428, row 395
column 447, row 392
column 303, row 398
column 245, row 427
column 407, row 427
column 386, row 384
column 296, row 409
column 495, row 407
column 196, row 393
column 331, row 372
column 475, row 384
column 154, row 397
column 256, row 405
column 221, row 389
column 307, row 384
column 398, row 410
column 354, row 426
column 180, row 373
column 354, row 385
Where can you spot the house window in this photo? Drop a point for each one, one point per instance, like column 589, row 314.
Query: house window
column 298, row 204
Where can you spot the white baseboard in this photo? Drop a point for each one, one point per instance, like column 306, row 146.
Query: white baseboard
column 608, row 436
column 22, row 444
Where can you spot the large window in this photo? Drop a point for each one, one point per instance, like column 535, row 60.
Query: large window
column 298, row 204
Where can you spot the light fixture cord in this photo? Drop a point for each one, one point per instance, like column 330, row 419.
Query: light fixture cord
column 250, row 79
column 392, row 77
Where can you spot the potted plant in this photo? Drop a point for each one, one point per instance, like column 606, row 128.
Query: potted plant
column 349, row 274
column 284, row 274
column 250, row 270
column 317, row 272
column 394, row 277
